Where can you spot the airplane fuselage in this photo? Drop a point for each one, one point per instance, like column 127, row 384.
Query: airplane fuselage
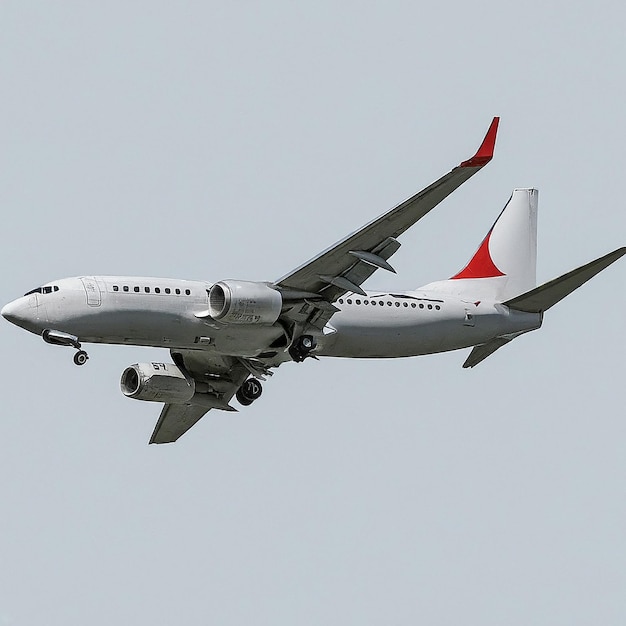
column 226, row 337
column 161, row 312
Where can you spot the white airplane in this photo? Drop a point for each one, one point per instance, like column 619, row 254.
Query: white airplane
column 226, row 337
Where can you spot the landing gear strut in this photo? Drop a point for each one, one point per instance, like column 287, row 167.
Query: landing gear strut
column 59, row 338
column 302, row 348
column 250, row 391
column 80, row 358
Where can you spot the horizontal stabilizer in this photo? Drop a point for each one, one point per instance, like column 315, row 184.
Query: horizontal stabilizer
column 542, row 298
column 480, row 353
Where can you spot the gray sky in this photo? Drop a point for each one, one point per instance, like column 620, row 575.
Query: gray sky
column 236, row 140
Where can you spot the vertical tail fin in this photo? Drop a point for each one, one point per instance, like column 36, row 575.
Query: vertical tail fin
column 505, row 263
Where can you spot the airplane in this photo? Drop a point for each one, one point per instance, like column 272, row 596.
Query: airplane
column 226, row 337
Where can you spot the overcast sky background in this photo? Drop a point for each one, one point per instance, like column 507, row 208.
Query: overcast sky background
column 236, row 140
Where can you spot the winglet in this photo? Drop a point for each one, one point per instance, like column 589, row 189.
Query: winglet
column 485, row 152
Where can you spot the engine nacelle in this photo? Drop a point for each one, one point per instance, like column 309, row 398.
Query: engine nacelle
column 244, row 302
column 157, row 382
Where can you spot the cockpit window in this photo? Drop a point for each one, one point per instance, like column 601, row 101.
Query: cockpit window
column 47, row 289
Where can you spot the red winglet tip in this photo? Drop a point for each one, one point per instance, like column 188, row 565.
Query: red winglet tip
column 485, row 152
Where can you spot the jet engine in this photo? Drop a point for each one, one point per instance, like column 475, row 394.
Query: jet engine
column 157, row 382
column 244, row 302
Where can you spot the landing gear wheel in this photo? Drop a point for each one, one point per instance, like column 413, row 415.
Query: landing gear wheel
column 302, row 347
column 80, row 358
column 250, row 391
column 306, row 342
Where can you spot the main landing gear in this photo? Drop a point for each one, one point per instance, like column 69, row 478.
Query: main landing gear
column 250, row 391
column 302, row 347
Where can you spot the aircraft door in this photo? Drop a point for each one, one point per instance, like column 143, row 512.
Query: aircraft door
column 92, row 289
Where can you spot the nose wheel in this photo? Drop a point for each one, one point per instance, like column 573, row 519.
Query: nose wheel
column 250, row 391
column 80, row 358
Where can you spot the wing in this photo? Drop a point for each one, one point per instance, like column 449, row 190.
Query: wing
column 347, row 264
column 217, row 379
column 175, row 420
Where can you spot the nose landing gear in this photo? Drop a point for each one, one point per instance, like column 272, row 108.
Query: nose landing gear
column 250, row 391
column 81, row 357
column 59, row 338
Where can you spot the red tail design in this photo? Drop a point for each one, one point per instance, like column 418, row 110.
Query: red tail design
column 481, row 265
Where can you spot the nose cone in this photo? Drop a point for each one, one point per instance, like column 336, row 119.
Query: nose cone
column 10, row 312
column 21, row 314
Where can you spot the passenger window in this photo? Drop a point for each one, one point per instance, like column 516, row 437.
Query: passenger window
column 188, row 292
column 413, row 305
column 125, row 287
column 340, row 300
column 55, row 288
column 178, row 292
column 421, row 306
column 358, row 301
column 147, row 289
column 388, row 303
column 397, row 304
column 167, row 290
column 136, row 289
column 405, row 304
column 430, row 306
column 157, row 290
column 365, row 301
column 381, row 303
column 116, row 288
column 437, row 307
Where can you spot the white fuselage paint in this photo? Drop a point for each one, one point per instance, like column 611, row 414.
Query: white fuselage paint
column 160, row 312
column 434, row 324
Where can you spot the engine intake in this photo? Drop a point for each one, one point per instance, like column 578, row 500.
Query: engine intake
column 157, row 382
column 244, row 302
